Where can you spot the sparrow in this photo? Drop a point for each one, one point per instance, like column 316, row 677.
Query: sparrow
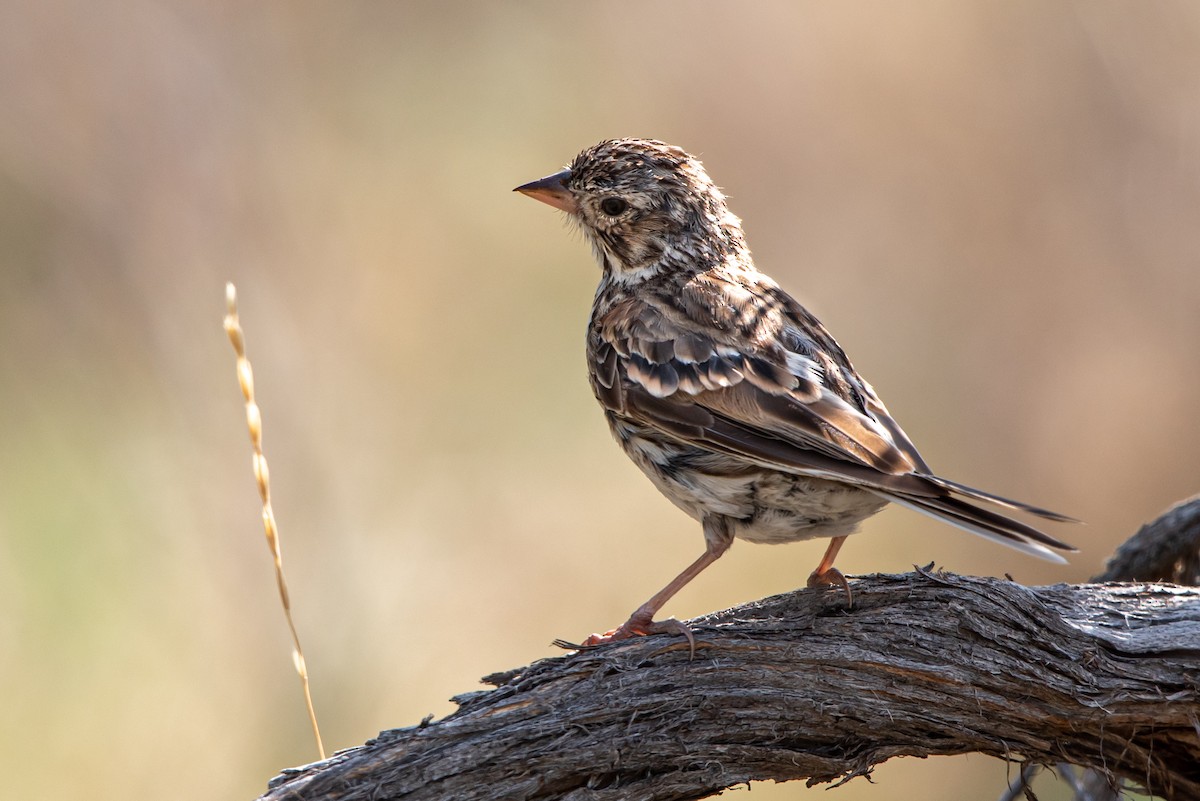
column 731, row 397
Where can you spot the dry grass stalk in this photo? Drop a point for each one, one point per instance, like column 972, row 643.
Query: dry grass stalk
column 233, row 328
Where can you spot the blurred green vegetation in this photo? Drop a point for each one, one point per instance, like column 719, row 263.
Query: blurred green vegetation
column 993, row 205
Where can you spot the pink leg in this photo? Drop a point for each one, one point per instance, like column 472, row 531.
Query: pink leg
column 718, row 538
column 827, row 575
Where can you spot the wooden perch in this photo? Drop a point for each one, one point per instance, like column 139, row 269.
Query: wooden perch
column 1166, row 549
column 799, row 687
column 796, row 686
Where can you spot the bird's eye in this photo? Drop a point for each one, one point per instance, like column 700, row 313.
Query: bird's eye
column 613, row 206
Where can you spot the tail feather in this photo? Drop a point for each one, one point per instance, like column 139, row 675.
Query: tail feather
column 987, row 523
column 980, row 495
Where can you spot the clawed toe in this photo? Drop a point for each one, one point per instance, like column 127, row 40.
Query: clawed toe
column 832, row 577
column 673, row 626
column 636, row 627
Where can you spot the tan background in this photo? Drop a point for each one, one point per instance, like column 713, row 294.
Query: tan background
column 994, row 206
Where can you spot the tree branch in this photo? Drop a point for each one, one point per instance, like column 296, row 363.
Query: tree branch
column 1166, row 549
column 799, row 687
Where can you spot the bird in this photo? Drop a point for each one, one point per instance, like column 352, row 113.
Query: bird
column 732, row 398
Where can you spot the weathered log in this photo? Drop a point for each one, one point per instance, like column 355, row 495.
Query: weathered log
column 798, row 686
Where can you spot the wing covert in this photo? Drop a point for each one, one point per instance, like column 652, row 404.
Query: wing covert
column 768, row 393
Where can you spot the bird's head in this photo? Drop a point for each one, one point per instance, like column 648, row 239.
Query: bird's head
column 645, row 206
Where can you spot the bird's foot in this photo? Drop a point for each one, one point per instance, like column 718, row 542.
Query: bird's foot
column 637, row 626
column 832, row 577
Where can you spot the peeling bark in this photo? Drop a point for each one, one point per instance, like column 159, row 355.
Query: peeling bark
column 799, row 687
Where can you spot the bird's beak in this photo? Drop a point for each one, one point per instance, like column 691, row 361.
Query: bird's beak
column 552, row 190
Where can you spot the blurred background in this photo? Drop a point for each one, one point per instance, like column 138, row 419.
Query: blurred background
column 994, row 206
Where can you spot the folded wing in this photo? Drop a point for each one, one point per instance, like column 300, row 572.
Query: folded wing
column 790, row 401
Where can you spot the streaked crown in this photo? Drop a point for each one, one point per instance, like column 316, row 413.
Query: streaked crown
column 647, row 205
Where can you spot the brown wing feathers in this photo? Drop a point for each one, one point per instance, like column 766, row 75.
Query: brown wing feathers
column 757, row 406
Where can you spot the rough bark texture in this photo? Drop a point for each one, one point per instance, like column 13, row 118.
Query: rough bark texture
column 799, row 687
column 1167, row 549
